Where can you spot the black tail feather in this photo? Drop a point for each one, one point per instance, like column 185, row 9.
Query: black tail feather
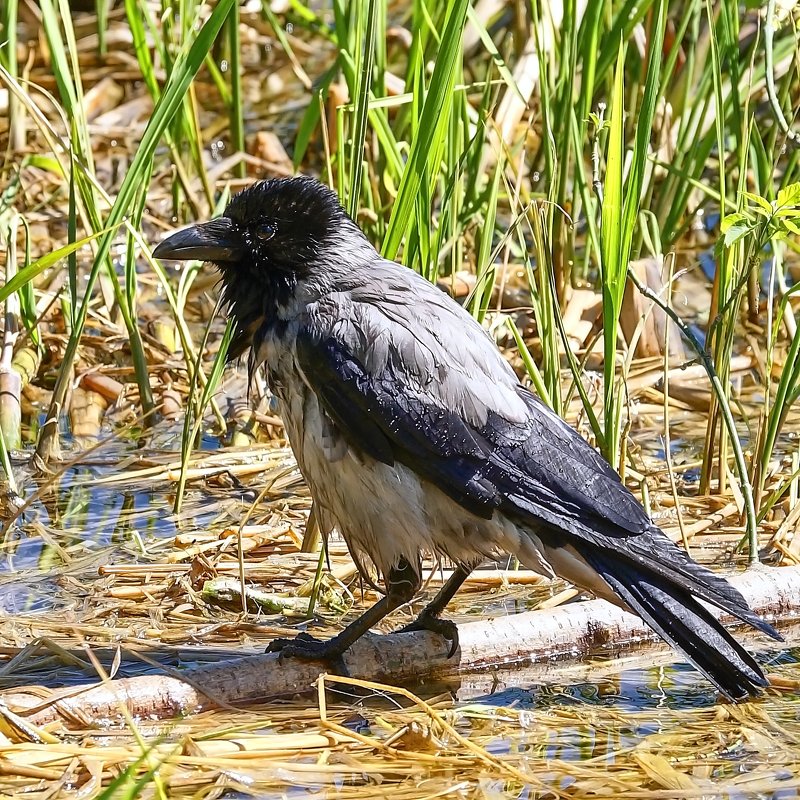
column 682, row 621
column 674, row 565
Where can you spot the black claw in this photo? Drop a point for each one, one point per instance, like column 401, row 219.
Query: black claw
column 444, row 627
column 282, row 644
column 309, row 648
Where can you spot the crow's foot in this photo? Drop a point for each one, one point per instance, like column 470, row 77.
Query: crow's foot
column 427, row 621
column 308, row 648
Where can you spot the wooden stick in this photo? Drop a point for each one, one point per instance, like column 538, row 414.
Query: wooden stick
column 570, row 632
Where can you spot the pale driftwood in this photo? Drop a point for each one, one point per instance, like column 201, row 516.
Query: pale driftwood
column 568, row 632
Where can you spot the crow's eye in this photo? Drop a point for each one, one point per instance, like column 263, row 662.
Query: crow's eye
column 265, row 231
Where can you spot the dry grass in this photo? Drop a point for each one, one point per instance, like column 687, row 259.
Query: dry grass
column 367, row 741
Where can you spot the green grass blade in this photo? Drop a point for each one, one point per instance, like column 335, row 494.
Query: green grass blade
column 428, row 142
column 361, row 102
column 613, row 261
column 236, row 107
column 35, row 268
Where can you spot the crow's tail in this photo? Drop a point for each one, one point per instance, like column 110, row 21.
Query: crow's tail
column 670, row 607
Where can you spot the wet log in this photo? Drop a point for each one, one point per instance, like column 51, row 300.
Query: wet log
column 567, row 633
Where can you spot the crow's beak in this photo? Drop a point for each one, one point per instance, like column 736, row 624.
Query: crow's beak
column 216, row 240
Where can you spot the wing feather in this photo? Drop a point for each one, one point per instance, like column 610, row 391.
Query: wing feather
column 464, row 424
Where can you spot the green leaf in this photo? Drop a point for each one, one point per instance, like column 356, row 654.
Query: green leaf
column 763, row 205
column 736, row 232
column 789, row 196
column 35, row 268
column 791, row 226
column 733, row 219
column 45, row 162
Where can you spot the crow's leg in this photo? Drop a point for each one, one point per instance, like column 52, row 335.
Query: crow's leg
column 402, row 584
column 429, row 619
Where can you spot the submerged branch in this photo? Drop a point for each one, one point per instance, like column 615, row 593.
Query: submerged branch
column 569, row 632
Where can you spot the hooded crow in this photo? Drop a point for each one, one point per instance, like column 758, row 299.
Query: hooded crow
column 416, row 437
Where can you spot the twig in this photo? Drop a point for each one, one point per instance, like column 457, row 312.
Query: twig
column 572, row 631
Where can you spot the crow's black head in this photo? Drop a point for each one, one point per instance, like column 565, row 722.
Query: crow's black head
column 280, row 224
column 272, row 235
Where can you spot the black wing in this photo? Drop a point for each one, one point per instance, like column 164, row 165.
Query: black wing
column 533, row 463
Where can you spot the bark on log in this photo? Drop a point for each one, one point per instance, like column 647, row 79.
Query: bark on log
column 569, row 632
